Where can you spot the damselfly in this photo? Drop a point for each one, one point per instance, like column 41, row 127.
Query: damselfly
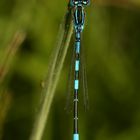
column 78, row 13
column 76, row 8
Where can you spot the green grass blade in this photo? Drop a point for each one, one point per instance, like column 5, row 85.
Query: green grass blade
column 66, row 30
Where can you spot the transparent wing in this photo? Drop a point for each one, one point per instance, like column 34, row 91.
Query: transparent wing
column 70, row 88
column 83, row 82
column 83, row 73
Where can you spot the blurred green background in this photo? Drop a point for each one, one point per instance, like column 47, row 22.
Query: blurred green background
column 28, row 31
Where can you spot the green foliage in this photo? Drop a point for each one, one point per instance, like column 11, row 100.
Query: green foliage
column 28, row 34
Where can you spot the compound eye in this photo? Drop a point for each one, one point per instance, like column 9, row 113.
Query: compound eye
column 76, row 2
column 85, row 2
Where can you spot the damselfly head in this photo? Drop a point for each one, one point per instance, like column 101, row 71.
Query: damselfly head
column 79, row 2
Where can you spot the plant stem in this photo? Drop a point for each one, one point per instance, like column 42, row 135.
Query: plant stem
column 52, row 78
column 11, row 50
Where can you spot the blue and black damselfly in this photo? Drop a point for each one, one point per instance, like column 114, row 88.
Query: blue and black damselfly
column 74, row 17
column 78, row 14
